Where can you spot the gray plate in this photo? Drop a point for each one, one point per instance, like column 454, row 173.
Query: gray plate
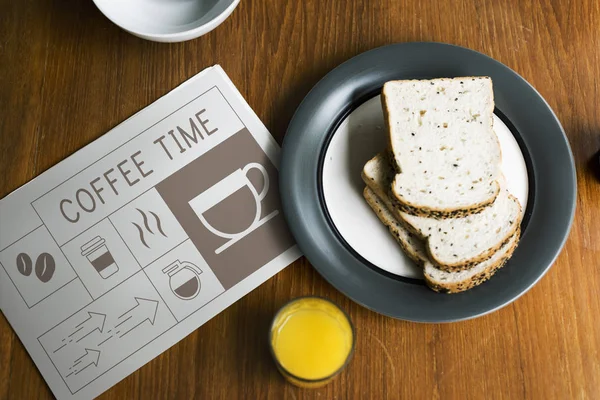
column 552, row 187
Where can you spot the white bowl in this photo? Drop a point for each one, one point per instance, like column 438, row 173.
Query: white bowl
column 167, row 20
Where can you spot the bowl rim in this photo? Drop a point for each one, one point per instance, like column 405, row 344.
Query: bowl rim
column 166, row 37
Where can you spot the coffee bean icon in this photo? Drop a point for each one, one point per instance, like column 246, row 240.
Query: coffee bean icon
column 45, row 267
column 24, row 264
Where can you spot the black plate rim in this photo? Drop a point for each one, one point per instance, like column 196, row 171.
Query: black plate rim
column 350, row 82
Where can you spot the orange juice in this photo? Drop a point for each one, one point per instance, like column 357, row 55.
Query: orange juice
column 311, row 340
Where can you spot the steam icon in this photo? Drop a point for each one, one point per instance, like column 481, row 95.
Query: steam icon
column 146, row 224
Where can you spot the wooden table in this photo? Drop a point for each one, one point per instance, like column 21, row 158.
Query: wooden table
column 68, row 75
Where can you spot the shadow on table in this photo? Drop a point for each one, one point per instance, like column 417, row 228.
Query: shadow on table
column 73, row 12
column 249, row 355
column 80, row 20
column 594, row 165
column 301, row 84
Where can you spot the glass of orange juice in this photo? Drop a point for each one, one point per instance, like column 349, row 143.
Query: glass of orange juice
column 311, row 340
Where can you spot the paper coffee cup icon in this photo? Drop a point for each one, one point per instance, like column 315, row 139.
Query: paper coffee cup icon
column 184, row 279
column 225, row 188
column 100, row 257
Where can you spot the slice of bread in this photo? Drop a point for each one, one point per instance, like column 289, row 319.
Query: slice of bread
column 454, row 282
column 436, row 279
column 442, row 140
column 453, row 244
column 459, row 243
column 410, row 243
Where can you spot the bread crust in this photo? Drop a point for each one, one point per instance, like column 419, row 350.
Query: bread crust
column 378, row 206
column 378, row 209
column 437, row 213
column 457, row 287
column 464, row 265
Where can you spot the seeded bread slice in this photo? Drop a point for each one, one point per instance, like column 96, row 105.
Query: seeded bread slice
column 410, row 243
column 454, row 282
column 437, row 279
column 453, row 244
column 442, row 140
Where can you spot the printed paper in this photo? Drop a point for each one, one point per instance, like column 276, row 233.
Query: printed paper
column 124, row 248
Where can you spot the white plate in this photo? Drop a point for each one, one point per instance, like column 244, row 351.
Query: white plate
column 362, row 135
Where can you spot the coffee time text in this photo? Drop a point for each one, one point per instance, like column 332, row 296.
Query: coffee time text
column 182, row 138
column 129, row 171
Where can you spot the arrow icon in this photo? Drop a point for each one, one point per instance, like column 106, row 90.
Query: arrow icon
column 91, row 357
column 144, row 310
column 94, row 322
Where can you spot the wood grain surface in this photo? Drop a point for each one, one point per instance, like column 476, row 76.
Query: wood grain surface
column 68, row 75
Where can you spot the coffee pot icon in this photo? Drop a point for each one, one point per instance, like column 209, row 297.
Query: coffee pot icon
column 225, row 188
column 184, row 279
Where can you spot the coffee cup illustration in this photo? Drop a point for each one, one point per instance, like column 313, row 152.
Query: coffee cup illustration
column 225, row 188
column 184, row 279
column 100, row 257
